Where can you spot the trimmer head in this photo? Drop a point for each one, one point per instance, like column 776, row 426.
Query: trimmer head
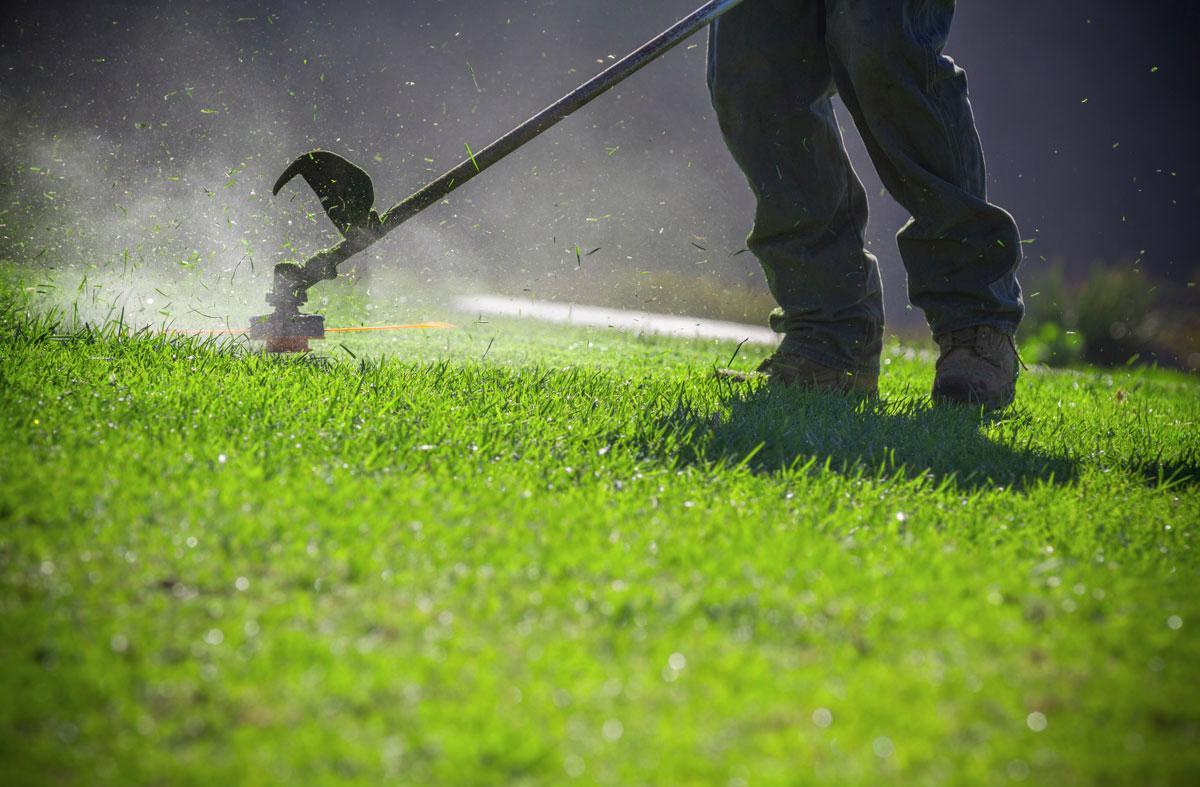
column 287, row 333
column 286, row 330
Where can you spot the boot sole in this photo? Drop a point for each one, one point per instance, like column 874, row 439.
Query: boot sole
column 973, row 400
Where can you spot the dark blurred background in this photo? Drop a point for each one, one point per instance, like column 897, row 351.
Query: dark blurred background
column 142, row 139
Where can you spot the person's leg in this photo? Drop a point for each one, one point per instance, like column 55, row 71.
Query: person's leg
column 771, row 86
column 910, row 104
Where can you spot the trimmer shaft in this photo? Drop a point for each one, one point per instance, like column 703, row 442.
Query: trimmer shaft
column 348, row 196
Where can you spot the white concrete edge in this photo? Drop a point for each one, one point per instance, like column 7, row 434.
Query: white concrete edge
column 619, row 319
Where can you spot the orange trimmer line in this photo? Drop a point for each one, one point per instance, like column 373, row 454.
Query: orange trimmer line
column 432, row 326
column 414, row 326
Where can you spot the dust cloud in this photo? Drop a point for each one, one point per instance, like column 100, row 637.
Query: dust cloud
column 142, row 141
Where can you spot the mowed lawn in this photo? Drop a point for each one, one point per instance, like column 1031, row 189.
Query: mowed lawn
column 519, row 554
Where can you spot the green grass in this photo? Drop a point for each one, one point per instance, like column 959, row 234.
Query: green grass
column 581, row 557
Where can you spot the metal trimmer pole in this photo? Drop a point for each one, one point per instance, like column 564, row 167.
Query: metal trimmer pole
column 323, row 265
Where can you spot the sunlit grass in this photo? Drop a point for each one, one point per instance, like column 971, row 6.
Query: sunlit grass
column 514, row 553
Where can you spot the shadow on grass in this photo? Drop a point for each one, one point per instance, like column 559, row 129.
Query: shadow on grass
column 1165, row 474
column 880, row 438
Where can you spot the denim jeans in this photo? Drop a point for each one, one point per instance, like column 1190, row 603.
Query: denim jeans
column 774, row 67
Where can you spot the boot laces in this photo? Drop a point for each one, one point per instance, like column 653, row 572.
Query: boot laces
column 972, row 339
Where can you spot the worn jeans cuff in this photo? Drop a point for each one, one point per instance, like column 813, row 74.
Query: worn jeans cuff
column 1001, row 324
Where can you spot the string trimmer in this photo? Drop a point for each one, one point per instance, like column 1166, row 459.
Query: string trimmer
column 348, row 196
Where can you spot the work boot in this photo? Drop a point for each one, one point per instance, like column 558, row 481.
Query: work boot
column 977, row 367
column 788, row 370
